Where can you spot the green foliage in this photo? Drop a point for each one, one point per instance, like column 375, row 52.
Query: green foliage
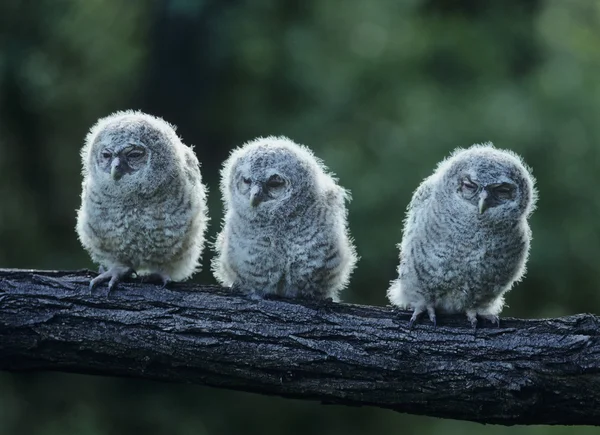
column 382, row 90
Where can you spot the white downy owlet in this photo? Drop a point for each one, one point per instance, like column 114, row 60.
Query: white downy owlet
column 143, row 204
column 466, row 235
column 285, row 229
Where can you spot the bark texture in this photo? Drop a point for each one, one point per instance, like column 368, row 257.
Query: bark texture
column 524, row 372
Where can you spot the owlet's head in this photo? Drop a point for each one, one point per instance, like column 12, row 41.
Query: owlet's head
column 270, row 176
column 130, row 151
column 489, row 182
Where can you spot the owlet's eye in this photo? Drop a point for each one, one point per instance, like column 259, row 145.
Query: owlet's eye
column 469, row 185
column 246, row 180
column 135, row 154
column 504, row 191
column 106, row 155
column 275, row 181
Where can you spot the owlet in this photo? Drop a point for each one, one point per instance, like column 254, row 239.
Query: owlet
column 285, row 229
column 143, row 204
column 466, row 236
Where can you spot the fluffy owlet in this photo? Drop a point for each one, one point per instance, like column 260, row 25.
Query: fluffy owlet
column 466, row 236
column 143, row 204
column 285, row 225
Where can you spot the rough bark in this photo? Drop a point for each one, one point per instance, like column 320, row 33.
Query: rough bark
column 524, row 372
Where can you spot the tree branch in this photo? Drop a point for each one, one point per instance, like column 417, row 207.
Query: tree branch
column 525, row 372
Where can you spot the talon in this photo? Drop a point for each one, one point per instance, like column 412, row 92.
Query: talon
column 112, row 283
column 432, row 317
column 415, row 317
column 163, row 278
column 417, row 313
column 472, row 316
column 166, row 279
column 474, row 323
column 112, row 275
column 495, row 320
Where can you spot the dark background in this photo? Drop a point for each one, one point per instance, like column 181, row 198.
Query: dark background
column 380, row 89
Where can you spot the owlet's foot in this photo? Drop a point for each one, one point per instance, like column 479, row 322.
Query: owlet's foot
column 112, row 275
column 417, row 313
column 472, row 316
column 164, row 278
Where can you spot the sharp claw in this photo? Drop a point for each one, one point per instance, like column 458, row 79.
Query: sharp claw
column 413, row 319
column 94, row 282
column 157, row 276
column 112, row 275
column 432, row 317
column 473, row 318
column 417, row 313
column 474, row 323
column 165, row 280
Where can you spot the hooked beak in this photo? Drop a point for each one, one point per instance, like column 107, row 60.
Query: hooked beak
column 484, row 201
column 116, row 169
column 256, row 195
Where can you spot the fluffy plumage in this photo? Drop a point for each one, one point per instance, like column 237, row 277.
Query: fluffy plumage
column 285, row 226
column 466, row 235
column 143, row 204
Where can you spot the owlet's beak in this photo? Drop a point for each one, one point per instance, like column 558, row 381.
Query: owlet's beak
column 256, row 194
column 484, row 201
column 116, row 169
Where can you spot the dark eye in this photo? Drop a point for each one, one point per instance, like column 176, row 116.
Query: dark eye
column 106, row 154
column 469, row 185
column 246, row 180
column 135, row 154
column 275, row 181
column 503, row 191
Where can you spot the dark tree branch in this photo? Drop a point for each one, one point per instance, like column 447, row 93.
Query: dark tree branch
column 525, row 372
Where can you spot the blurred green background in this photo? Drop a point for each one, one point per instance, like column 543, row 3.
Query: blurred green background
column 380, row 89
